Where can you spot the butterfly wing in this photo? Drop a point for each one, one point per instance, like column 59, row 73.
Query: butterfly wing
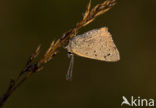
column 95, row 44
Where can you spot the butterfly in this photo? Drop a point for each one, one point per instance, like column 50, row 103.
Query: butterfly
column 95, row 44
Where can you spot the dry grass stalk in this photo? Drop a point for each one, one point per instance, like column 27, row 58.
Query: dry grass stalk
column 30, row 68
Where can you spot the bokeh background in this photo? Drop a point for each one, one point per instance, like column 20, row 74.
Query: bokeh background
column 24, row 24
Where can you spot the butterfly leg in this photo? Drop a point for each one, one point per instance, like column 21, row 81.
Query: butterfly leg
column 70, row 69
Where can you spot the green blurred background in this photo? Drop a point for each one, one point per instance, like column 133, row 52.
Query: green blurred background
column 24, row 24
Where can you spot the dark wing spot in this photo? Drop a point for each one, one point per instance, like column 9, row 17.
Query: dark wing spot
column 105, row 57
column 108, row 54
column 95, row 54
column 94, row 51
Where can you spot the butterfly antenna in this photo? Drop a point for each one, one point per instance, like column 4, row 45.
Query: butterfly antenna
column 70, row 69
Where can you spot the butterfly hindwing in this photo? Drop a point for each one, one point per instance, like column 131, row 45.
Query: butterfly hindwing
column 95, row 44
